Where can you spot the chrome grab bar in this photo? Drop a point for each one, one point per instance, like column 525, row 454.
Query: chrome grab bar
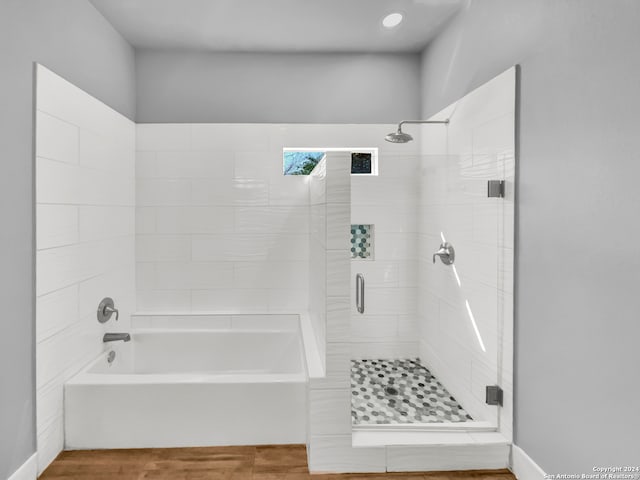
column 360, row 292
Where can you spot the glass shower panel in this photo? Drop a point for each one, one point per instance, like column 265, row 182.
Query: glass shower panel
column 459, row 282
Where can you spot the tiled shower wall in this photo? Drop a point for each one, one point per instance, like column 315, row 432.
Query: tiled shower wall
column 219, row 227
column 329, row 427
column 457, row 162
column 389, row 202
column 318, row 255
column 85, row 239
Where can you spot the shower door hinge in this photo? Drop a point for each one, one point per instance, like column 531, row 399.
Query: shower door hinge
column 495, row 188
column 494, row 395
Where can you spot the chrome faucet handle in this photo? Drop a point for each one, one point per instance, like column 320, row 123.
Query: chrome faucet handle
column 110, row 311
column 440, row 253
column 446, row 253
column 106, row 309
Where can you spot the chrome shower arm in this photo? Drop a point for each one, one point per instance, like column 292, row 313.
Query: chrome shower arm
column 421, row 121
column 400, row 137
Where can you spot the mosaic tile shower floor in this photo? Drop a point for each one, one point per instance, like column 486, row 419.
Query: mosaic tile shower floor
column 400, row 391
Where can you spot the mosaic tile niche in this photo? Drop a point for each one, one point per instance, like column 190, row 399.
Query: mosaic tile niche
column 362, row 241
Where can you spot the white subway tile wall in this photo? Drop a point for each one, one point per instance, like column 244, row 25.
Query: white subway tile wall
column 218, row 225
column 85, row 236
column 329, row 424
column 317, row 282
column 388, row 201
column 208, row 236
column 456, row 162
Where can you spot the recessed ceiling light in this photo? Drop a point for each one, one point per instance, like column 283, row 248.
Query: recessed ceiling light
column 392, row 20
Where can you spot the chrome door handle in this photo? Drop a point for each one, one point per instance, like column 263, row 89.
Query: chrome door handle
column 360, row 292
column 446, row 253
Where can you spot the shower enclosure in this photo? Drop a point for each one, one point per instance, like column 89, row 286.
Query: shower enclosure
column 432, row 243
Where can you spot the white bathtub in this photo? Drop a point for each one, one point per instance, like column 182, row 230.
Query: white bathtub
column 241, row 382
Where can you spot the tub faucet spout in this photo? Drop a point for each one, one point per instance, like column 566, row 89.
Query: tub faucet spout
column 114, row 337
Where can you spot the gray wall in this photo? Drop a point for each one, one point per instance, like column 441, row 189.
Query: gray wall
column 278, row 88
column 577, row 323
column 72, row 39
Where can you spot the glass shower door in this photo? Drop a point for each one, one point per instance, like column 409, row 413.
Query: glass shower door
column 460, row 232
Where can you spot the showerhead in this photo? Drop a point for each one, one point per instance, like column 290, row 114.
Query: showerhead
column 398, row 136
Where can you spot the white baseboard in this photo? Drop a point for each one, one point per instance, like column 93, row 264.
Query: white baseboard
column 523, row 467
column 28, row 470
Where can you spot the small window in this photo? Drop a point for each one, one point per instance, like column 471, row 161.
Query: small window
column 302, row 162
column 361, row 163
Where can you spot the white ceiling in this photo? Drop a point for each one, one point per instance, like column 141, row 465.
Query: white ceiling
column 277, row 25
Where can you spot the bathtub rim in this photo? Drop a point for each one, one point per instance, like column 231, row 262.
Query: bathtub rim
column 85, row 377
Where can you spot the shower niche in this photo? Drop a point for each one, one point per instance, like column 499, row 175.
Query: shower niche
column 362, row 241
